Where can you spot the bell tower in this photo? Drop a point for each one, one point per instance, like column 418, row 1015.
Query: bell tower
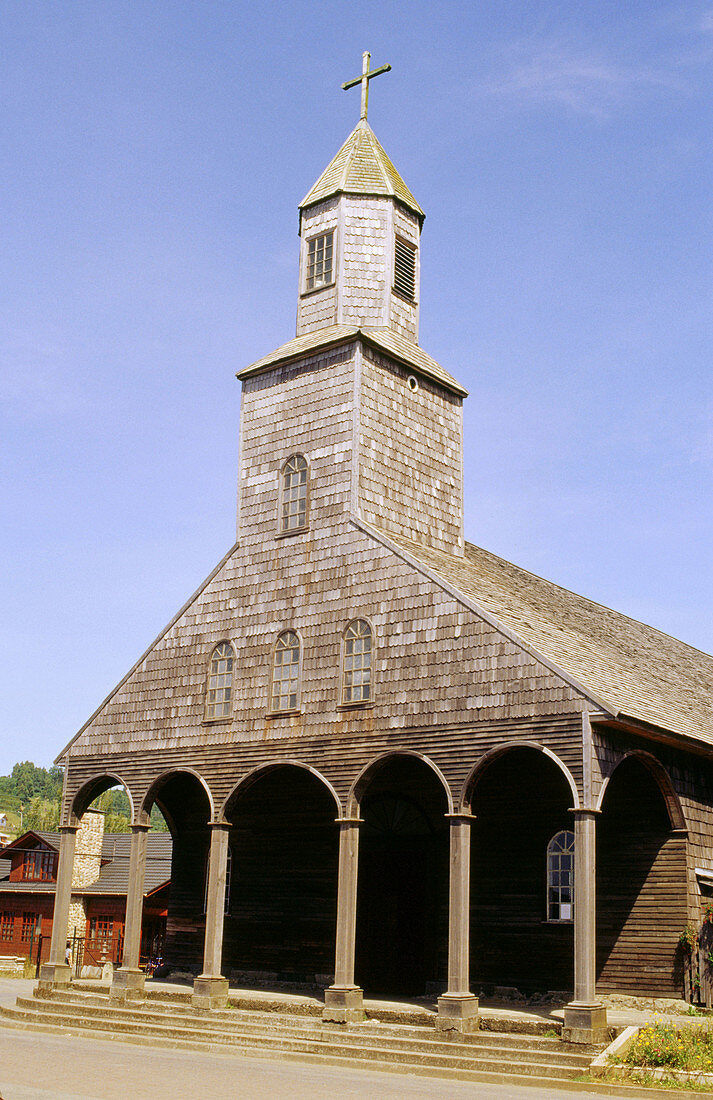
column 373, row 422
column 360, row 229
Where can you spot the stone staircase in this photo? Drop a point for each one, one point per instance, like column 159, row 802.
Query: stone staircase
column 412, row 1047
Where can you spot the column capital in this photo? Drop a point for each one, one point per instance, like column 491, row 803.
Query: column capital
column 354, row 821
column 140, row 827
column 584, row 811
column 220, row 826
column 458, row 816
column 69, row 829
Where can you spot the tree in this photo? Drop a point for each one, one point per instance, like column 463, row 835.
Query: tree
column 158, row 821
column 28, row 781
column 41, row 814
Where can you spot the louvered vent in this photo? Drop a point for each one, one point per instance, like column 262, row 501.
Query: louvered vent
column 405, row 269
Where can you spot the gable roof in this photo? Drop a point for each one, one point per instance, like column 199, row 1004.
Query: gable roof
column 631, row 669
column 382, row 339
column 49, row 839
column 361, row 167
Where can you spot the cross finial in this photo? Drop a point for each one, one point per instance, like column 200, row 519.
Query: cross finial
column 364, row 79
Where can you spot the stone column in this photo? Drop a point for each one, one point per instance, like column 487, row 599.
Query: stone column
column 128, row 980
column 57, row 972
column 585, row 1018
column 344, row 1001
column 458, row 1007
column 210, row 989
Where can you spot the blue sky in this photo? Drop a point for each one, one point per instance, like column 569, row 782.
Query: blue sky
column 153, row 157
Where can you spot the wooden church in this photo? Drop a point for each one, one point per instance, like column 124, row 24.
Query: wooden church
column 392, row 762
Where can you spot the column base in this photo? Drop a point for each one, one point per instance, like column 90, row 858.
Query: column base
column 54, row 976
column 127, row 984
column 343, row 1005
column 210, row 992
column 585, row 1023
column 457, row 1012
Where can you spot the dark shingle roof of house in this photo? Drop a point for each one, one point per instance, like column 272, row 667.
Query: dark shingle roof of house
column 114, row 875
column 7, row 887
column 632, row 670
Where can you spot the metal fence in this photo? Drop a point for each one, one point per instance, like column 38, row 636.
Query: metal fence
column 84, row 951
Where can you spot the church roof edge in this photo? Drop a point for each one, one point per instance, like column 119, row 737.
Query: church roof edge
column 628, row 668
column 382, row 339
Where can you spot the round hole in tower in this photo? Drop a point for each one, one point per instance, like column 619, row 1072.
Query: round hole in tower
column 412, row 383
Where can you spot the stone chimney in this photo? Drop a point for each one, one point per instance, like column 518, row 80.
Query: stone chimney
column 87, row 859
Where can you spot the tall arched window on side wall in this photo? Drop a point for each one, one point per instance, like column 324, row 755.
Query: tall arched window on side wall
column 285, row 694
column 294, row 494
column 357, row 653
column 560, row 877
column 219, row 694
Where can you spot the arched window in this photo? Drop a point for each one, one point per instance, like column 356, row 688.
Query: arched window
column 293, row 494
column 356, row 663
column 219, row 697
column 286, row 672
column 560, row 876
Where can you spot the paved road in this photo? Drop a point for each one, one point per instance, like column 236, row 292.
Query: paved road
column 54, row 1066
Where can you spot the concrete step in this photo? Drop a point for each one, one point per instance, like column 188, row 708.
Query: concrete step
column 501, row 1077
column 275, row 1045
column 376, row 1036
column 464, row 1059
column 272, row 1018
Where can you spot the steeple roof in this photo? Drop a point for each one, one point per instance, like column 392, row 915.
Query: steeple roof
column 361, row 167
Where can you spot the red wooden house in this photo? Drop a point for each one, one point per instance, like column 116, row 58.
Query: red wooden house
column 28, row 870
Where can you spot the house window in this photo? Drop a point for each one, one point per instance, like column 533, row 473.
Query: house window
column 405, row 269
column 7, row 926
column 560, row 877
column 319, row 261
column 101, row 930
column 30, row 926
column 219, row 696
column 293, row 504
column 356, row 663
column 286, row 672
column 38, row 865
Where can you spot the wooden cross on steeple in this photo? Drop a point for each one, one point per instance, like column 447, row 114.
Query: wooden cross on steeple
column 364, row 79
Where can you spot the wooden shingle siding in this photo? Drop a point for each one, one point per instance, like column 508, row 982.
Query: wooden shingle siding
column 404, row 314
column 411, row 486
column 339, row 756
column 691, row 778
column 365, row 287
column 318, row 309
column 627, row 668
column 281, row 416
column 641, row 886
column 436, row 662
